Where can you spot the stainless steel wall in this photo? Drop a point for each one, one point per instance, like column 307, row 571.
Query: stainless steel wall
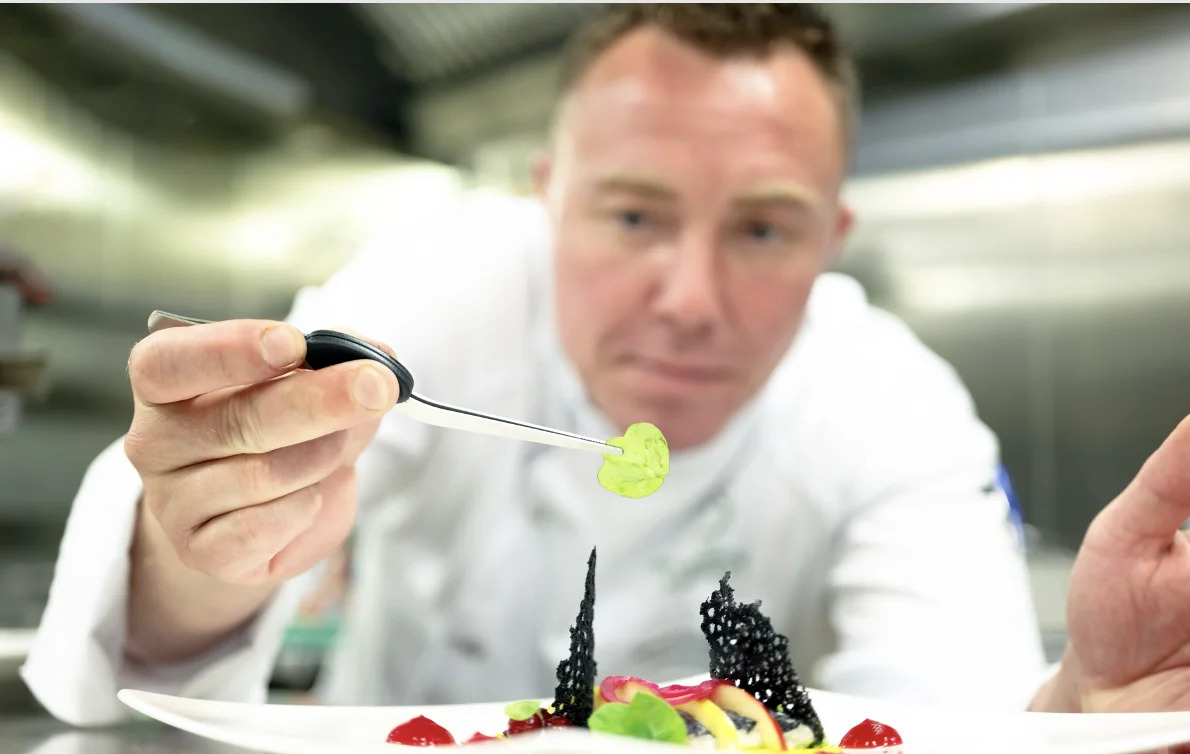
column 1033, row 226
column 1030, row 225
column 1059, row 287
column 123, row 226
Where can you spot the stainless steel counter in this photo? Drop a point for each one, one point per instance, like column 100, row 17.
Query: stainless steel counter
column 40, row 734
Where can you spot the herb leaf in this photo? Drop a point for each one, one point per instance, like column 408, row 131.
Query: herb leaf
column 522, row 710
column 648, row 717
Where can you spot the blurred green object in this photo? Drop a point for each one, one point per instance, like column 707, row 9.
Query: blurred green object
column 304, row 635
column 304, row 646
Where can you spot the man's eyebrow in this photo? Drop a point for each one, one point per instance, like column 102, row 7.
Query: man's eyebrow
column 783, row 193
column 636, row 184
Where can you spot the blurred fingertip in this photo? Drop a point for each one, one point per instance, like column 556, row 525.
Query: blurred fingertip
column 375, row 387
column 282, row 346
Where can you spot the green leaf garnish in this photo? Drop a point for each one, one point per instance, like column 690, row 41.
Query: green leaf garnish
column 522, row 710
column 648, row 717
column 642, row 467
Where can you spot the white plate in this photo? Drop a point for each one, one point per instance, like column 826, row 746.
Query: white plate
column 304, row 729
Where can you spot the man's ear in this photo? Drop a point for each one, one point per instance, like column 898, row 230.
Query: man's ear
column 844, row 221
column 542, row 165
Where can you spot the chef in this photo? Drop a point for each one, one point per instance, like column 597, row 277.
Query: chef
column 672, row 270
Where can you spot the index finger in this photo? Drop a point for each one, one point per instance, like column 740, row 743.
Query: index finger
column 180, row 363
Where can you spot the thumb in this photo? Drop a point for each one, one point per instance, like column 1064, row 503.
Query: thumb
column 359, row 437
column 1157, row 502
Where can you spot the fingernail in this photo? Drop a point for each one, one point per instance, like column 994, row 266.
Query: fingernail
column 371, row 390
column 281, row 346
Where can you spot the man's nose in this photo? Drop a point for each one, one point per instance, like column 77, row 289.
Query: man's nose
column 691, row 290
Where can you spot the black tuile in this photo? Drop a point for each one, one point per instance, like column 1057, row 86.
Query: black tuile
column 746, row 651
column 574, row 697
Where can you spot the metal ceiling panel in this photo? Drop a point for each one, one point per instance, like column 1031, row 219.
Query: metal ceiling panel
column 428, row 43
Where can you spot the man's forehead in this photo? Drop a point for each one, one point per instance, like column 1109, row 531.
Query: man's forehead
column 651, row 61
column 652, row 80
column 680, row 148
column 652, row 53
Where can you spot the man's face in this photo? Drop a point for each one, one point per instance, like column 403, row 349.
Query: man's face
column 694, row 202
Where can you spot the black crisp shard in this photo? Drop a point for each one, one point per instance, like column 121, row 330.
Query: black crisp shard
column 747, row 652
column 574, row 697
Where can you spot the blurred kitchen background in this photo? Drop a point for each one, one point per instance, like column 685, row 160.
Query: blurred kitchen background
column 1022, row 183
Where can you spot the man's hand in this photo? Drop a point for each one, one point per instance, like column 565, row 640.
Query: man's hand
column 1128, row 612
column 248, row 471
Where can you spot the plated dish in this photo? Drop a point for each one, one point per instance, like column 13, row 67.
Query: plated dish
column 753, row 700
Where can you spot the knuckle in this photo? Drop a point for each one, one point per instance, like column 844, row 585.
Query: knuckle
column 144, row 448
column 136, row 446
column 257, row 476
column 218, row 568
column 145, row 365
column 238, row 426
column 253, row 529
column 189, row 555
column 163, row 502
column 192, row 547
column 302, row 404
column 202, row 550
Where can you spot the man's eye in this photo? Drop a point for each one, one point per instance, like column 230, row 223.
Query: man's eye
column 631, row 218
column 759, row 231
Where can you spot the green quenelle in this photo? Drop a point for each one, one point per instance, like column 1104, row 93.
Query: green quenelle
column 643, row 466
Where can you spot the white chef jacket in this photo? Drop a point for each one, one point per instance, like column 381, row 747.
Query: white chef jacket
column 855, row 496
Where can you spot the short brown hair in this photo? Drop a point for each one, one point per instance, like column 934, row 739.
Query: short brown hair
column 727, row 30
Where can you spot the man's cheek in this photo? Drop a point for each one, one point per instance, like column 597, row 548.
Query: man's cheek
column 772, row 315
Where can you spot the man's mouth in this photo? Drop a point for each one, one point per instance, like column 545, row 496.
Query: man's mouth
column 684, row 371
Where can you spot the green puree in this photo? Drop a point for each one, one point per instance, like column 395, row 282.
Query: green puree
column 642, row 467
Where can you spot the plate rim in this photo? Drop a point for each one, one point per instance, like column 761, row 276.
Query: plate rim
column 142, row 701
